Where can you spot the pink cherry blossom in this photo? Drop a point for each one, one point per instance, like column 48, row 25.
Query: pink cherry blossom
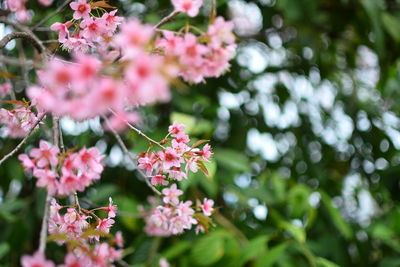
column 104, row 225
column 45, row 2
column 158, row 180
column 45, row 155
column 207, row 206
column 191, row 7
column 111, row 209
column 36, row 260
column 171, row 195
column 5, row 89
column 82, row 9
column 176, row 128
column 47, row 179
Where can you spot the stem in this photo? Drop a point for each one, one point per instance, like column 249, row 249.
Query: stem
column 15, row 150
column 131, row 157
column 167, row 19
column 139, row 132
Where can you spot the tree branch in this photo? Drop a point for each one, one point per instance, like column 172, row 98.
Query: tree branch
column 15, row 150
column 167, row 19
column 131, row 157
column 22, row 35
column 45, row 221
column 22, row 28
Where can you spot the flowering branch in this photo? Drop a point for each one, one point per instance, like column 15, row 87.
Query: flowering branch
column 139, row 132
column 126, row 151
column 15, row 150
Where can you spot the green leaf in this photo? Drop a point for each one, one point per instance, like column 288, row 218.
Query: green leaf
column 4, row 249
column 391, row 24
column 208, row 250
column 321, row 262
column 296, row 231
column 256, row 246
column 272, row 255
column 336, row 217
column 232, row 160
column 176, row 250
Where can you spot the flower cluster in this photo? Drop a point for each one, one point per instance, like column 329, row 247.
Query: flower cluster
column 201, row 57
column 173, row 216
column 77, row 170
column 87, row 30
column 5, row 89
column 175, row 161
column 80, row 230
column 21, row 13
column 17, row 122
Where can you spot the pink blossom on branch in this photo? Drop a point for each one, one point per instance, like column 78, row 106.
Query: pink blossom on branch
column 36, row 260
column 191, row 7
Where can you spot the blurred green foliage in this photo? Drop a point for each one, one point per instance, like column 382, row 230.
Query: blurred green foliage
column 305, row 131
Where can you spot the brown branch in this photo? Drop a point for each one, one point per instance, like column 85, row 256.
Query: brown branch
column 131, row 157
column 16, row 62
column 22, row 28
column 167, row 19
column 20, row 35
column 15, row 150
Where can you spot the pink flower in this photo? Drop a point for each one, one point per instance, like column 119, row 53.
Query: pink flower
column 111, row 209
column 220, row 32
column 45, row 155
column 182, row 138
column 93, row 28
column 207, row 206
column 191, row 7
column 82, row 9
column 45, row 2
column 119, row 241
column 36, row 260
column 112, row 21
column 47, row 179
column 27, row 163
column 147, row 163
column 169, row 158
column 71, row 260
column 104, row 225
column 171, row 195
column 206, row 152
column 177, row 174
column 89, row 159
column 158, row 180
column 176, row 128
column 5, row 89
column 69, row 183
column 62, row 29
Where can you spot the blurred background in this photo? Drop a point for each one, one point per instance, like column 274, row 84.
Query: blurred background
column 305, row 130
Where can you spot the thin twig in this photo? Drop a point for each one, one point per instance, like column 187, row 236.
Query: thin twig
column 139, row 132
column 15, row 150
column 23, row 35
column 167, row 19
column 16, row 62
column 51, row 15
column 45, row 221
column 131, row 157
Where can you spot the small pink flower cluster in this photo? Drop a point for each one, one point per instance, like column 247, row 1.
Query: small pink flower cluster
column 201, row 57
column 77, row 170
column 89, row 31
column 18, row 122
column 21, row 13
column 174, row 216
column 5, row 89
column 74, row 226
column 165, row 165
